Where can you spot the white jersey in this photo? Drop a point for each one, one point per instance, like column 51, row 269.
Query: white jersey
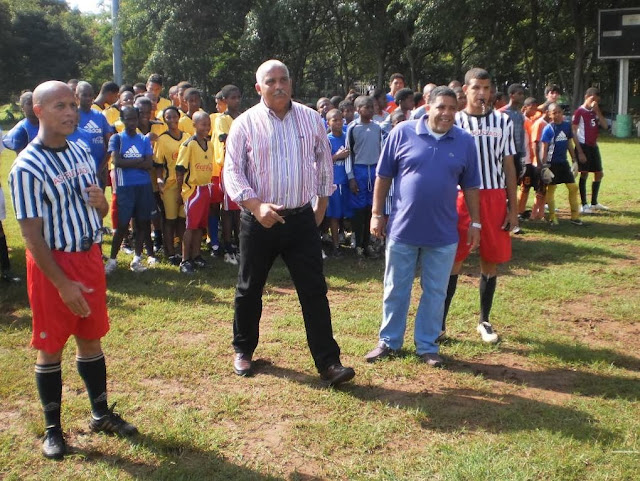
column 493, row 136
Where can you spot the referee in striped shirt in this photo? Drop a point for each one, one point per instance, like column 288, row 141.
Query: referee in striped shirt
column 59, row 205
column 278, row 158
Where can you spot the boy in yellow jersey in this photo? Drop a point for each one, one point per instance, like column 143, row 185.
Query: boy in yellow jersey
column 154, row 85
column 166, row 154
column 214, row 213
column 194, row 104
column 108, row 95
column 182, row 88
column 230, row 210
column 193, row 174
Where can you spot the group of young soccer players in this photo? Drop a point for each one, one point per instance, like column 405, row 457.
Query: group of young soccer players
column 163, row 159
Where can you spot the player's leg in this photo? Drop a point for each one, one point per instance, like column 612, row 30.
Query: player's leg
column 550, row 199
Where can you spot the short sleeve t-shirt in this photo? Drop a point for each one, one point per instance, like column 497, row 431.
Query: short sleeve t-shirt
column 196, row 163
column 588, row 124
column 131, row 147
column 426, row 172
column 98, row 126
column 20, row 135
column 339, row 173
column 166, row 155
column 557, row 136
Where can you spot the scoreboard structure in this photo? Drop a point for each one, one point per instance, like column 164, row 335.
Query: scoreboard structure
column 619, row 39
column 619, row 33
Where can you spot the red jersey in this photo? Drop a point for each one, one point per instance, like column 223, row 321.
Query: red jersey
column 587, row 122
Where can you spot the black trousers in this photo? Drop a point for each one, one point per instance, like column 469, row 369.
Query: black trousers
column 298, row 242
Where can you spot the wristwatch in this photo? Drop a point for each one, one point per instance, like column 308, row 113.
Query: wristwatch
column 477, row 225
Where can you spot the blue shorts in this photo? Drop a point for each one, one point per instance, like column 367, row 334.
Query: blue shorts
column 339, row 203
column 365, row 176
column 137, row 202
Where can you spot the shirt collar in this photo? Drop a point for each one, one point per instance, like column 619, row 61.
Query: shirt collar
column 423, row 129
column 264, row 106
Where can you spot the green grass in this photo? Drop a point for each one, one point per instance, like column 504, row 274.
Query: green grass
column 557, row 399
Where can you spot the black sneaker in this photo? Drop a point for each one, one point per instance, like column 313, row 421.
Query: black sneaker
column 112, row 423
column 186, row 267
column 199, row 262
column 53, row 445
column 175, row 260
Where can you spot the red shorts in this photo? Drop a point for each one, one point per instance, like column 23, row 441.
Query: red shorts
column 227, row 203
column 463, row 228
column 53, row 322
column 495, row 243
column 196, row 208
column 216, row 190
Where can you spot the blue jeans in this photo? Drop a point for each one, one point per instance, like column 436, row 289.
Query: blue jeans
column 400, row 269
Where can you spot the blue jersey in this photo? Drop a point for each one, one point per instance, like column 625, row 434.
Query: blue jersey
column 82, row 138
column 557, row 136
column 20, row 136
column 134, row 146
column 339, row 173
column 98, row 127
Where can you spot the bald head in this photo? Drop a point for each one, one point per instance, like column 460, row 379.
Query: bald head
column 50, row 91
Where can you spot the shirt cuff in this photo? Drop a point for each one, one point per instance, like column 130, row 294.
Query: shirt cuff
column 245, row 194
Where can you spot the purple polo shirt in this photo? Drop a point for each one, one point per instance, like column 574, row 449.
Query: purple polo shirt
column 426, row 173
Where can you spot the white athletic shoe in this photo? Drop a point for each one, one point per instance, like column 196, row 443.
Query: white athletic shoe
column 487, row 333
column 586, row 209
column 230, row 258
column 151, row 261
column 137, row 266
column 599, row 207
column 110, row 266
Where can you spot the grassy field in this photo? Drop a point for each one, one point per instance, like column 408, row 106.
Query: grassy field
column 557, row 399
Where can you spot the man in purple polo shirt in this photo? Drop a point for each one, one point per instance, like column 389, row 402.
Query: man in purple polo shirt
column 427, row 159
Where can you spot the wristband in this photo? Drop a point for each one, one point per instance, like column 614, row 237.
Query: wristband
column 377, row 216
column 477, row 225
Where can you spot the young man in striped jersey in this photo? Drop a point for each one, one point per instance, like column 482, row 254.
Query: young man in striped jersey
column 59, row 204
column 493, row 135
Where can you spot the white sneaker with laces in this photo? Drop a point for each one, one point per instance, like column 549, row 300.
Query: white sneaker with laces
column 487, row 333
column 230, row 258
column 585, row 209
column 137, row 266
column 152, row 261
column 110, row 266
column 599, row 207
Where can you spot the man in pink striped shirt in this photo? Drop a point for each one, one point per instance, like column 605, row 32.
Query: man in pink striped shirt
column 278, row 159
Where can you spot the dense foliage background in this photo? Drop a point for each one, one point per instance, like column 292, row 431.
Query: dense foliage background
column 329, row 46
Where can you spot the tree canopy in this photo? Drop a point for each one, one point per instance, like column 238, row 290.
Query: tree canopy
column 329, row 46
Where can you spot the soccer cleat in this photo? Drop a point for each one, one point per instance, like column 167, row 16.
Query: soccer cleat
column 199, row 262
column 137, row 266
column 599, row 207
column 175, row 260
column 487, row 333
column 577, row 222
column 586, row 209
column 230, row 258
column 53, row 445
column 186, row 267
column 151, row 262
column 110, row 267
column 112, row 423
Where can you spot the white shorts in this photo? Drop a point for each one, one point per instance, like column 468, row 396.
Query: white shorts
column 3, row 210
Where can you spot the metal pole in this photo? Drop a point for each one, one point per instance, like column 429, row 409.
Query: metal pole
column 117, row 42
column 623, row 87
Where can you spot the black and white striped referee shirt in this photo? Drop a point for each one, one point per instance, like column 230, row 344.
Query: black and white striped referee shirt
column 493, row 135
column 49, row 184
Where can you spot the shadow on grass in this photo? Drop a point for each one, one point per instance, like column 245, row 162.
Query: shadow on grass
column 456, row 409
column 556, row 380
column 179, row 461
column 576, row 353
column 597, row 226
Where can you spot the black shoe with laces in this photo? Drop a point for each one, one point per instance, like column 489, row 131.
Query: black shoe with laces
column 199, row 262
column 112, row 423
column 53, row 445
column 186, row 267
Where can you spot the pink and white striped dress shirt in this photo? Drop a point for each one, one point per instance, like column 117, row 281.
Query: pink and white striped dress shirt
column 285, row 162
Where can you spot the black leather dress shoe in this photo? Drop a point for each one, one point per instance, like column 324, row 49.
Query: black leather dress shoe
column 337, row 374
column 242, row 364
column 53, row 445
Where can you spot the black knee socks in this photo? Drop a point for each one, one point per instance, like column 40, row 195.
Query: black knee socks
column 595, row 187
column 451, row 290
column 5, row 265
column 582, row 184
column 49, row 383
column 93, row 371
column 487, row 289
